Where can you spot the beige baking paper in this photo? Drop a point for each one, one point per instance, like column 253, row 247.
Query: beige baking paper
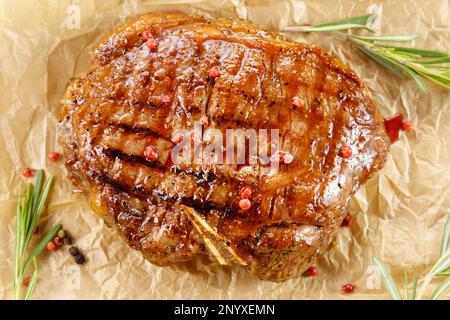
column 398, row 216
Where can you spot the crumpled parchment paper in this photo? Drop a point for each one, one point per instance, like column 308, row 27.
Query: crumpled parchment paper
column 398, row 216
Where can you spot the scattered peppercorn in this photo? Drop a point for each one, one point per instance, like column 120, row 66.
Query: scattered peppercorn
column 61, row 233
column 53, row 156
column 276, row 157
column 195, row 141
column 347, row 222
column 80, row 259
column 348, row 288
column 27, row 172
column 312, row 271
column 178, row 138
column 214, row 72
column 204, row 120
column 36, row 231
column 58, row 241
column 282, row 157
column 147, row 34
column 245, row 193
column 51, row 246
column 67, row 240
column 74, row 251
column 245, row 204
column 297, row 102
column 152, row 43
column 346, row 152
column 26, row 281
column 288, row 158
column 408, row 125
column 164, row 99
column 150, row 153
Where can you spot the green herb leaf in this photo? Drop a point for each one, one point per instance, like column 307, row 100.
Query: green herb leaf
column 422, row 86
column 432, row 61
column 41, row 246
column 439, row 80
column 442, row 264
column 414, row 288
column 17, row 249
column 399, row 61
column 393, row 38
column 445, row 242
column 444, row 273
column 359, row 20
column 328, row 28
column 443, row 288
column 391, row 68
column 29, row 208
column 420, row 52
column 33, row 280
column 387, row 280
column 405, row 284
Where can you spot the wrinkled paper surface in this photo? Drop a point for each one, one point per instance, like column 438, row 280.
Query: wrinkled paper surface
column 398, row 216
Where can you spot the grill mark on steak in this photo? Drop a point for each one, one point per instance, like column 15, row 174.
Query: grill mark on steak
column 143, row 195
column 145, row 131
column 271, row 206
column 110, row 111
column 125, row 38
column 159, row 220
column 150, row 133
column 209, row 88
column 201, row 179
column 114, row 153
column 144, row 191
column 140, row 138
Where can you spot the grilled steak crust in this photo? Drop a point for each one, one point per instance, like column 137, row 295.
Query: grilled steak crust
column 172, row 213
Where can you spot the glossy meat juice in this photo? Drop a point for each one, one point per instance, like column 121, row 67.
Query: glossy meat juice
column 138, row 94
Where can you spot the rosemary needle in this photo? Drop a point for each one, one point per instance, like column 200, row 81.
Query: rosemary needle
column 402, row 62
column 29, row 208
column 440, row 270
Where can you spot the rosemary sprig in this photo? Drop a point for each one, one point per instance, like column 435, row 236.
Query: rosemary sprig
column 29, row 209
column 341, row 24
column 440, row 268
column 402, row 62
column 389, row 283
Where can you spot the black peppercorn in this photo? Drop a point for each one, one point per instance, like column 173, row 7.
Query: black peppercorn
column 80, row 259
column 67, row 240
column 74, row 251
